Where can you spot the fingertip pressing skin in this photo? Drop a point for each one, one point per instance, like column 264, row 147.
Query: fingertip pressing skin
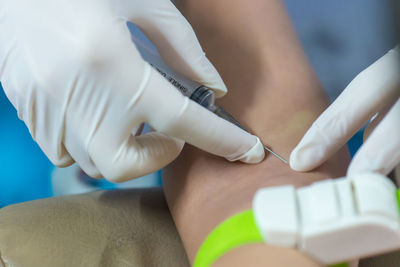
column 314, row 148
column 304, row 157
column 294, row 162
column 300, row 154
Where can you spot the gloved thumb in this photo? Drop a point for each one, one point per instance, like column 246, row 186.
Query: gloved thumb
column 174, row 38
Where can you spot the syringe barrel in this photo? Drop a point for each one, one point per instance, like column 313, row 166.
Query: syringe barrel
column 205, row 97
column 187, row 87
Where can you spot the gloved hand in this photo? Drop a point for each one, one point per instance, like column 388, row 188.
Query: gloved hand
column 76, row 79
column 374, row 93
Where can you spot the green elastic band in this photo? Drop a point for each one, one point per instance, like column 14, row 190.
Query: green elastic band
column 345, row 264
column 398, row 198
column 237, row 230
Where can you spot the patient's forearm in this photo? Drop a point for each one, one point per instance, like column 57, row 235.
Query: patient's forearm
column 273, row 92
column 256, row 51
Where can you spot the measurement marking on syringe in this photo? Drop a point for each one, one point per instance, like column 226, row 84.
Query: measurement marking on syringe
column 173, row 81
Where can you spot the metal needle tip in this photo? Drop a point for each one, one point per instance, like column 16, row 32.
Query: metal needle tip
column 225, row 115
column 276, row 155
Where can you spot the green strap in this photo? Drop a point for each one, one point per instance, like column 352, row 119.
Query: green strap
column 345, row 264
column 234, row 232
column 237, row 230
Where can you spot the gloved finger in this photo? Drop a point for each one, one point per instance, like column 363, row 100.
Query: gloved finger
column 41, row 126
column 59, row 159
column 376, row 119
column 381, row 152
column 371, row 90
column 169, row 112
column 43, row 122
column 175, row 40
column 78, row 151
column 133, row 157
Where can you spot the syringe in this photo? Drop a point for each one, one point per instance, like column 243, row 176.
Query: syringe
column 195, row 91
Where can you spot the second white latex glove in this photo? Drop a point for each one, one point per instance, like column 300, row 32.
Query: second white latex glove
column 76, row 79
column 374, row 93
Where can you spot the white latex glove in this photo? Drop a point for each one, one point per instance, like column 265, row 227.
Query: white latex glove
column 375, row 91
column 76, row 79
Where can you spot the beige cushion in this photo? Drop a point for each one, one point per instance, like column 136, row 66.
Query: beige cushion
column 104, row 228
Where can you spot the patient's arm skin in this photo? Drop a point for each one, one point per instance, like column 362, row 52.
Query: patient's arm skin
column 273, row 92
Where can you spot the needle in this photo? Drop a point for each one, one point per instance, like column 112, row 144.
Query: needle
column 276, row 155
column 225, row 115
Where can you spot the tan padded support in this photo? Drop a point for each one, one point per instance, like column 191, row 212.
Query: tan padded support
column 104, row 228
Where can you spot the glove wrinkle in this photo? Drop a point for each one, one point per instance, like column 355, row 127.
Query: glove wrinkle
column 147, row 72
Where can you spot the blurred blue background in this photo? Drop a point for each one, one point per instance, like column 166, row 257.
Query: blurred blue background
column 340, row 37
column 24, row 169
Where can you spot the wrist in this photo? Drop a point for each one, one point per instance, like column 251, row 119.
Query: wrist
column 220, row 189
column 327, row 221
column 256, row 255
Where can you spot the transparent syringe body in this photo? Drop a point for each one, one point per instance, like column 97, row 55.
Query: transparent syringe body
column 195, row 91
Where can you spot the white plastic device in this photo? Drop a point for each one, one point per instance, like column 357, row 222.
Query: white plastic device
column 333, row 221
